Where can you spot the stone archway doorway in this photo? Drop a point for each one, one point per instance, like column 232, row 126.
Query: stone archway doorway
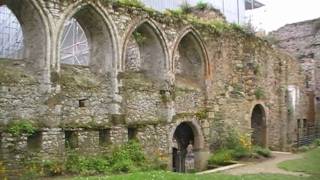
column 259, row 127
column 187, row 134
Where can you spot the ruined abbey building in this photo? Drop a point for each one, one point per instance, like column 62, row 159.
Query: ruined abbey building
column 159, row 78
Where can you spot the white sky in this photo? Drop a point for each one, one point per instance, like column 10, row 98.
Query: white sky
column 277, row 13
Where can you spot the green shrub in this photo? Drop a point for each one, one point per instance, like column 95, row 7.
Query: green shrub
column 18, row 128
column 86, row 165
column 134, row 3
column 123, row 165
column 126, row 157
column 221, row 157
column 304, row 148
column 186, row 8
column 262, row 151
column 316, row 142
column 201, row 5
column 53, row 167
column 240, row 152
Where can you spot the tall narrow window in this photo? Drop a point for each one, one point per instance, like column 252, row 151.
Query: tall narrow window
column 74, row 45
column 11, row 37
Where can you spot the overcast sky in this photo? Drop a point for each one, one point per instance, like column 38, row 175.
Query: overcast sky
column 277, row 13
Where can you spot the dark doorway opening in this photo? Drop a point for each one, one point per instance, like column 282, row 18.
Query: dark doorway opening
column 258, row 125
column 183, row 136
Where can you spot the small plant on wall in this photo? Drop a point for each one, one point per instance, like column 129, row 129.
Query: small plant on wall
column 259, row 93
column 18, row 128
column 139, row 37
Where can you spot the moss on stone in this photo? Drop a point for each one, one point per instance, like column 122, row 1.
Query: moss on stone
column 75, row 79
column 136, row 81
column 54, row 100
column 12, row 73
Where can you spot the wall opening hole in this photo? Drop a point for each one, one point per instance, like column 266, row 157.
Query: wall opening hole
column 104, row 137
column 304, row 123
column 82, row 102
column 71, row 139
column 34, row 141
column 132, row 133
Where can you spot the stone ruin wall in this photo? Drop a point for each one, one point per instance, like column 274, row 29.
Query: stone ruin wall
column 302, row 41
column 182, row 72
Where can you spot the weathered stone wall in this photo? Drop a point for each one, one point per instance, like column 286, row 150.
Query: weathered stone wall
column 142, row 85
column 301, row 40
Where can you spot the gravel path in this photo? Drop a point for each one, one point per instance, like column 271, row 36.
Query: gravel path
column 267, row 166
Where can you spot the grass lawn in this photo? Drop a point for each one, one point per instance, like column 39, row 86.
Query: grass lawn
column 161, row 175
column 309, row 164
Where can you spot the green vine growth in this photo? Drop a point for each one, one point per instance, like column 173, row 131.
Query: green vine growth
column 139, row 37
column 259, row 93
column 18, row 128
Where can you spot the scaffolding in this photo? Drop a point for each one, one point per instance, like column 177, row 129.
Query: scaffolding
column 74, row 44
column 11, row 38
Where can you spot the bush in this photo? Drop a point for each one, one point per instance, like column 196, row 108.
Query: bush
column 316, row 142
column 262, row 151
column 221, row 157
column 240, row 152
column 304, row 148
column 134, row 3
column 201, row 5
column 123, row 165
column 86, row 165
column 186, row 8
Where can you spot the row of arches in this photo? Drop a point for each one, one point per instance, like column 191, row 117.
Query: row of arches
column 87, row 36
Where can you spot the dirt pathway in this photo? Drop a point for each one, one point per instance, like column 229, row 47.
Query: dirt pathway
column 267, row 166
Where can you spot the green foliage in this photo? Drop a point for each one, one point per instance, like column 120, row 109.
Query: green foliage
column 201, row 5
column 202, row 114
column 133, row 3
column 86, row 165
column 316, row 142
column 139, row 37
column 259, row 93
column 17, row 128
column 303, row 148
column 221, row 157
column 36, row 167
column 262, row 151
column 125, row 158
column 186, row 8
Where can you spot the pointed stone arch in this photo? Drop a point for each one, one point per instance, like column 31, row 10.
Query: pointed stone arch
column 189, row 57
column 36, row 35
column 99, row 31
column 151, row 52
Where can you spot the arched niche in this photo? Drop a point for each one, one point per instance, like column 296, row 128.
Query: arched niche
column 97, row 32
column 190, row 59
column 35, row 35
column 258, row 126
column 185, row 134
column 145, row 51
